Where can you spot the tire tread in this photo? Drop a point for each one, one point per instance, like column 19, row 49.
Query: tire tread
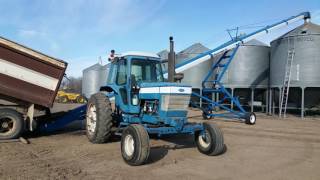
column 104, row 118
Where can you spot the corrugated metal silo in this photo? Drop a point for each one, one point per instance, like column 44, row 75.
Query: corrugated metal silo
column 250, row 67
column 306, row 62
column 91, row 80
column 104, row 71
column 164, row 57
column 195, row 75
column 305, row 67
column 247, row 76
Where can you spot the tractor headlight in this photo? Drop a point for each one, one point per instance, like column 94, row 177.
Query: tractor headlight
column 135, row 100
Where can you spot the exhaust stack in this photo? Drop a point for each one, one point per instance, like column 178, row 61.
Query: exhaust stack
column 171, row 61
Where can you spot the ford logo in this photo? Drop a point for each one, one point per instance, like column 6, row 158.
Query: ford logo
column 181, row 90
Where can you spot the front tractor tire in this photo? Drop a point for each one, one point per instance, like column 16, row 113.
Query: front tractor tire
column 135, row 146
column 210, row 140
column 98, row 119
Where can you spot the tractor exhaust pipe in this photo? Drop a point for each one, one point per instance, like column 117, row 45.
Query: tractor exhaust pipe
column 171, row 61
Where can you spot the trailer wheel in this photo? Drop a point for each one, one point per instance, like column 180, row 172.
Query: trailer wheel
column 210, row 141
column 206, row 116
column 251, row 119
column 135, row 147
column 98, row 118
column 11, row 124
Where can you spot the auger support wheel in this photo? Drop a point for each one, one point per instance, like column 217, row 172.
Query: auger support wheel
column 250, row 118
column 206, row 115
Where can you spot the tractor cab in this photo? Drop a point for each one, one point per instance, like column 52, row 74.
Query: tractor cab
column 141, row 93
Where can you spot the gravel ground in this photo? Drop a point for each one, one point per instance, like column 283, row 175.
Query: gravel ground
column 271, row 149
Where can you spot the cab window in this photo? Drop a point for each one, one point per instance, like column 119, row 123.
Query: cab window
column 122, row 72
column 112, row 74
column 146, row 71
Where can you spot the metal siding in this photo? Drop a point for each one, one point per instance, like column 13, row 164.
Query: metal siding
column 249, row 68
column 30, row 63
column 306, row 62
column 93, row 78
column 29, row 59
column 104, row 72
column 20, row 49
column 195, row 75
column 25, row 91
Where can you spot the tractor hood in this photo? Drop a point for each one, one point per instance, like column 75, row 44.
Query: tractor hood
column 164, row 88
column 173, row 98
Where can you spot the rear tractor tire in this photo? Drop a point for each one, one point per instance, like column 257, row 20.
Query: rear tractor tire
column 210, row 141
column 250, row 119
column 135, row 146
column 98, row 119
column 11, row 124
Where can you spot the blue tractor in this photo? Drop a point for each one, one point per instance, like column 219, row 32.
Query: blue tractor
column 144, row 105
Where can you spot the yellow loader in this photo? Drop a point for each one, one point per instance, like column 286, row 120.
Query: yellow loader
column 67, row 97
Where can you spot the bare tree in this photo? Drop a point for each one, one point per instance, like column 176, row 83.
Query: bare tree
column 72, row 84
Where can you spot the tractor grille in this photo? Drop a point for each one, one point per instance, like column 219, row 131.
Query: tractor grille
column 175, row 102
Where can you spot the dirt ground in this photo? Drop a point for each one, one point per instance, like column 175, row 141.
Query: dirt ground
column 271, row 149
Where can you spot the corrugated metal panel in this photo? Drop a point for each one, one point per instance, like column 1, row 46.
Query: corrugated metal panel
column 195, row 75
column 30, row 52
column 104, row 72
column 164, row 56
column 28, row 75
column 93, row 78
column 250, row 66
column 306, row 62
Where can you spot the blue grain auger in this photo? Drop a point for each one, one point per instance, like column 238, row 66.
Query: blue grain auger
column 225, row 54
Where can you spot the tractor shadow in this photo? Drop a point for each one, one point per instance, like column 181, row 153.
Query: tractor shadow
column 171, row 143
column 158, row 152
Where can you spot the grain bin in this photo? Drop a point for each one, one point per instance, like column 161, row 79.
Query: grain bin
column 248, row 74
column 305, row 66
column 250, row 67
column 91, row 80
column 104, row 71
column 164, row 58
column 306, row 62
column 195, row 75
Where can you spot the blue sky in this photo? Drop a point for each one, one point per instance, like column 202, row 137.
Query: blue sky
column 79, row 31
